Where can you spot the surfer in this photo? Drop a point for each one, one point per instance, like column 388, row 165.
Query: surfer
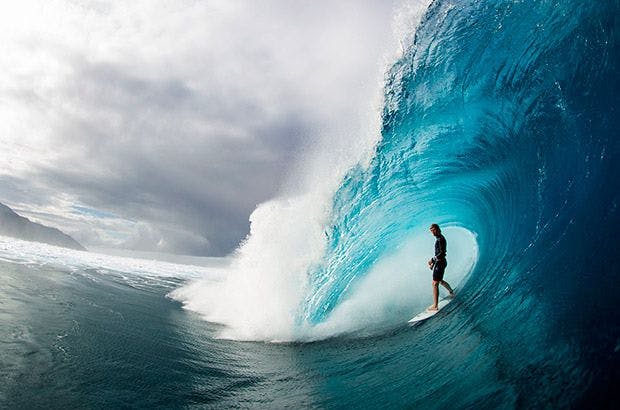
column 438, row 265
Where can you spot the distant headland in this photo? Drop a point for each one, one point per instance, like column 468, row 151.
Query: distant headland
column 13, row 225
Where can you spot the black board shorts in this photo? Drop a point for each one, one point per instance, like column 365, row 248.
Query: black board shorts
column 439, row 268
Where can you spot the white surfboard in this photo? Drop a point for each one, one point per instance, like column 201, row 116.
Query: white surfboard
column 430, row 313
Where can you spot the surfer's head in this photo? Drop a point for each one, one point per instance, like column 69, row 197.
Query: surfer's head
column 435, row 229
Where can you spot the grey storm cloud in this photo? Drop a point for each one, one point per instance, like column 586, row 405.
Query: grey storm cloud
column 152, row 152
column 163, row 129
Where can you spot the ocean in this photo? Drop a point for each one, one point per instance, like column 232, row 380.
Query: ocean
column 500, row 124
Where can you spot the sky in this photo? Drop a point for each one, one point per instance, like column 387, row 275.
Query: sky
column 161, row 125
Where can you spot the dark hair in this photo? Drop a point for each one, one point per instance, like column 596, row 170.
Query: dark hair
column 436, row 227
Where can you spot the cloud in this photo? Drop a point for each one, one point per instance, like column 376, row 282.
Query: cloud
column 178, row 118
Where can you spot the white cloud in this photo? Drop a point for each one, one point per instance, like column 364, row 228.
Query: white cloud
column 176, row 115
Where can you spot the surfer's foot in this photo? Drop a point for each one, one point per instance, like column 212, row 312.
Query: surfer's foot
column 432, row 308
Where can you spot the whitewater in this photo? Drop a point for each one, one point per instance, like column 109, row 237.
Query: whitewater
column 498, row 121
column 264, row 292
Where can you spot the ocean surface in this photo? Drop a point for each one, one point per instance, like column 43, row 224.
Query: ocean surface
column 500, row 123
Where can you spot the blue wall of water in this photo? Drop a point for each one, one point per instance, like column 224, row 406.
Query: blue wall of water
column 501, row 117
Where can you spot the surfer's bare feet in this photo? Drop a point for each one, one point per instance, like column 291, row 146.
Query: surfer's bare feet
column 432, row 308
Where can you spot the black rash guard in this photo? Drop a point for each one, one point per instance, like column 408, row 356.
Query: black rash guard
column 440, row 248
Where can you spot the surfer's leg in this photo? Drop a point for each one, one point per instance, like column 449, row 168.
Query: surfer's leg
column 447, row 286
column 437, row 278
column 434, row 306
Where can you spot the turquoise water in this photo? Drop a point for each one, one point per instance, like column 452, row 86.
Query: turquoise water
column 89, row 339
column 500, row 123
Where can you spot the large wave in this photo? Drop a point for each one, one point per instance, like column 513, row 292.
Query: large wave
column 498, row 124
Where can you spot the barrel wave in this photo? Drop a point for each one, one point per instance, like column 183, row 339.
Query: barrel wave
column 500, row 118
column 500, row 124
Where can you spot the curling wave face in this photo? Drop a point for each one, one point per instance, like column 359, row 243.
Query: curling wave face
column 498, row 124
column 490, row 124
